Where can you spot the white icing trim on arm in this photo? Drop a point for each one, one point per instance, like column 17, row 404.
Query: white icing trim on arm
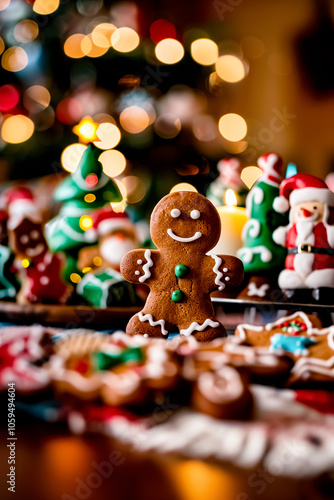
column 195, row 237
column 146, row 267
column 195, row 327
column 148, row 317
column 218, row 263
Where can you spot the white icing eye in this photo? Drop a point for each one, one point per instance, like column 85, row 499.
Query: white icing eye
column 195, row 214
column 24, row 239
column 175, row 213
column 34, row 234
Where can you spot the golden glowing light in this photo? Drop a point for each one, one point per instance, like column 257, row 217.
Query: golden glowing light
column 134, row 119
column 125, row 39
column 249, row 175
column 25, row 263
column 97, row 261
column 113, row 162
column 90, row 49
column 86, row 130
column 230, row 198
column 183, row 186
column 232, row 127
column 72, row 46
column 102, row 33
column 75, row 278
column 135, row 188
column 2, row 45
column 236, row 147
column 4, row 4
column 169, row 51
column 108, row 135
column 89, row 198
column 45, row 7
column 26, row 31
column 85, row 222
column 36, row 98
column 17, row 129
column 230, row 68
column 71, row 156
column 204, row 51
column 14, row 59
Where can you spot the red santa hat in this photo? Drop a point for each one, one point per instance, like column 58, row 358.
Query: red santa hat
column 19, row 201
column 302, row 188
column 107, row 220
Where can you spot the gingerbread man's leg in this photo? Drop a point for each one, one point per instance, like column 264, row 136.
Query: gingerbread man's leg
column 203, row 329
column 147, row 325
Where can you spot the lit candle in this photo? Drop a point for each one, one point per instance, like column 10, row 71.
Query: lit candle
column 232, row 220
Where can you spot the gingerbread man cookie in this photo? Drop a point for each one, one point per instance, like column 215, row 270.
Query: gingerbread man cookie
column 180, row 274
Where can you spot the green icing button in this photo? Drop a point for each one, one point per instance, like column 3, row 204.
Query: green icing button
column 178, row 296
column 181, row 270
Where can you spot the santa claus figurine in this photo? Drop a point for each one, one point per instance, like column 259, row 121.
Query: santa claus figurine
column 308, row 237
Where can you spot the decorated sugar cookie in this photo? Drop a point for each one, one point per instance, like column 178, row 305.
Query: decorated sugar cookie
column 102, row 285
column 184, row 227
column 309, row 238
column 40, row 270
column 82, row 192
column 20, row 348
column 301, row 336
column 260, row 252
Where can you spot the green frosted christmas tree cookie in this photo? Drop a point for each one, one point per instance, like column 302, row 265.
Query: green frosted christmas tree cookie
column 260, row 253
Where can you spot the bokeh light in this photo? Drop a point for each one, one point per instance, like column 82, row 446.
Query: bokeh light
column 113, row 162
column 14, row 59
column 69, row 110
column 204, row 128
column 249, row 175
column 204, row 51
column 102, row 33
column 135, row 188
column 71, row 156
column 161, row 29
column 2, row 45
column 167, row 126
column 45, row 7
column 26, row 31
column 9, row 97
column 252, row 47
column 183, row 186
column 230, row 68
column 90, row 49
column 36, row 98
column 4, row 4
column 232, row 127
column 17, row 129
column 169, row 51
column 72, row 46
column 125, row 39
column 109, row 135
column 134, row 119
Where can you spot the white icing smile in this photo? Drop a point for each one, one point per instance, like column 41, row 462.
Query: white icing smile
column 195, row 237
column 33, row 252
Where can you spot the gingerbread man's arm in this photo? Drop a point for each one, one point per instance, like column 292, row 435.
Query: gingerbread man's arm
column 136, row 266
column 223, row 271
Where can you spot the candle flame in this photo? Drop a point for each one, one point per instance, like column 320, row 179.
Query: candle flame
column 230, row 197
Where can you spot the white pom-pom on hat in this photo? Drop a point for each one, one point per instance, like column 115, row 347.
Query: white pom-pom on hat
column 281, row 204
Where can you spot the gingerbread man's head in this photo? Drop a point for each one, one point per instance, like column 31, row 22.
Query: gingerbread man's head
column 185, row 219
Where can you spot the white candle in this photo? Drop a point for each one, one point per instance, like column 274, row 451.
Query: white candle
column 232, row 220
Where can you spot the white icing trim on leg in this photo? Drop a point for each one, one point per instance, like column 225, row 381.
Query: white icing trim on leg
column 218, row 263
column 146, row 267
column 148, row 317
column 195, row 327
